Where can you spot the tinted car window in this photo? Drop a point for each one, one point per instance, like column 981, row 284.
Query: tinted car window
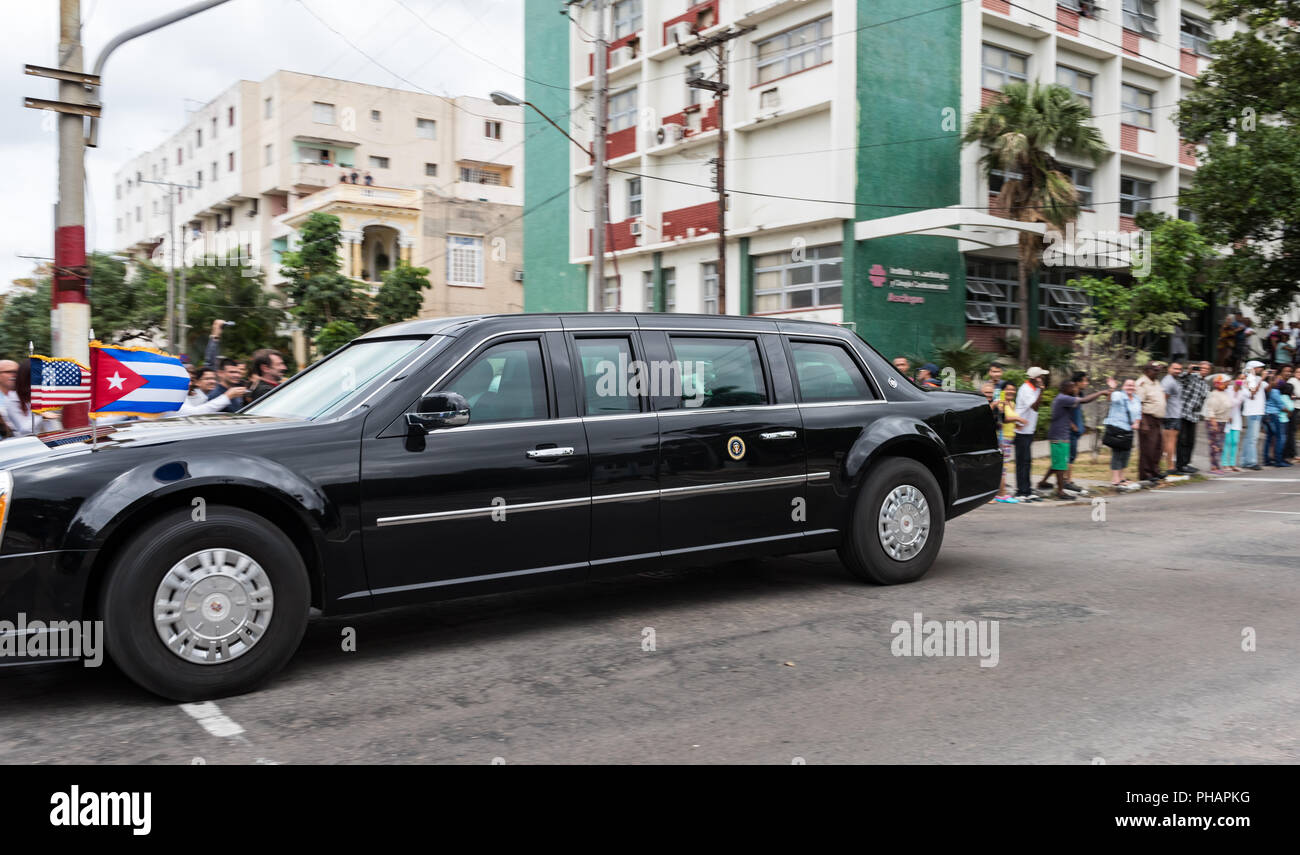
column 504, row 383
column 606, row 372
column 826, row 372
column 719, row 372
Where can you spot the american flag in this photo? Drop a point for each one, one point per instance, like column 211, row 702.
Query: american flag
column 56, row 382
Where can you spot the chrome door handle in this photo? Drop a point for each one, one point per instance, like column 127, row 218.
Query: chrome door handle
column 549, row 453
column 780, row 434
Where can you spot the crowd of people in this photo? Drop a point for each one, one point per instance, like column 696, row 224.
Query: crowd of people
column 1248, row 420
column 221, row 384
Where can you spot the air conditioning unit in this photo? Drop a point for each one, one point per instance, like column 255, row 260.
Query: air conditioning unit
column 620, row 56
column 519, row 276
column 669, row 133
column 637, row 225
column 680, row 33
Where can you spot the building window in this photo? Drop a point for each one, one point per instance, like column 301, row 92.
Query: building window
column 377, row 162
column 1138, row 105
column 266, row 108
column 431, row 170
column 137, row 213
column 1078, row 82
column 376, row 116
column 634, row 197
column 266, row 153
column 214, row 170
column 230, row 117
column 609, row 295
column 464, row 260
column 322, row 113
column 426, row 129
column 1188, row 214
column 1134, row 196
column 492, row 129
column 992, row 293
column 648, row 281
column 694, row 70
column 782, row 283
column 710, row 272
column 1196, row 35
column 1001, row 66
column 479, row 175
column 1082, row 180
column 670, row 289
column 198, row 137
column 179, row 156
column 198, row 178
column 230, row 162
column 622, row 110
column 627, row 18
column 794, row 50
column 1060, row 307
column 1140, row 17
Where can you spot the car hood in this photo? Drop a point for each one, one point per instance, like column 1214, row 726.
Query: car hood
column 21, row 450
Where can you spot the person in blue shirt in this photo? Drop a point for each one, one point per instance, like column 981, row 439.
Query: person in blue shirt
column 1275, row 420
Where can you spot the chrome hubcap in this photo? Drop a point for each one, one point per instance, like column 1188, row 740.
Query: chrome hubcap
column 904, row 522
column 213, row 606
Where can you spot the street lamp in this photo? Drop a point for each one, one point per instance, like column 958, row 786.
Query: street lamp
column 505, row 99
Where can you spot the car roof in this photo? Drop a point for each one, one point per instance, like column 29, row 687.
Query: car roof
column 457, row 325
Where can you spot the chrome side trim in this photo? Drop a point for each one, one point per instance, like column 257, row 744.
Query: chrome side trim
column 502, row 425
column 639, row 495
column 688, row 411
column 470, row 513
column 974, row 498
column 845, row 403
column 997, row 451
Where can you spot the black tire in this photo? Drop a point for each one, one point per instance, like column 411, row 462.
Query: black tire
column 863, row 552
column 128, row 598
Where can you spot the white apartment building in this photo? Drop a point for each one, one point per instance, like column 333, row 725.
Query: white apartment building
column 254, row 161
column 851, row 198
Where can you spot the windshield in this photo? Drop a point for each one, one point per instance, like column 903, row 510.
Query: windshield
column 335, row 383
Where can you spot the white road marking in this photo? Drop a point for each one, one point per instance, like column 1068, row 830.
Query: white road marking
column 1288, row 513
column 1271, row 480
column 214, row 721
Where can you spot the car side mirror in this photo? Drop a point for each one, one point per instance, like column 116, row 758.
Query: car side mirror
column 439, row 410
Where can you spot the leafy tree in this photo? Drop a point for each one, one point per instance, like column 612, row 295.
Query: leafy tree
column 26, row 318
column 223, row 291
column 126, row 310
column 1021, row 129
column 1246, row 108
column 334, row 335
column 1126, row 317
column 319, row 294
column 399, row 297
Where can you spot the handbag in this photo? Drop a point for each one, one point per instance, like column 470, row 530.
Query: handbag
column 1119, row 439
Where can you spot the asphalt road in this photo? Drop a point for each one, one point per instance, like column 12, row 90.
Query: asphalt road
column 1120, row 641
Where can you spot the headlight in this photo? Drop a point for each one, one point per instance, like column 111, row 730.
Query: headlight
column 6, row 493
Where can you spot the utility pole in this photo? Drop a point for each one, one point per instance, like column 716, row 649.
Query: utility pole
column 716, row 44
column 175, row 295
column 598, row 174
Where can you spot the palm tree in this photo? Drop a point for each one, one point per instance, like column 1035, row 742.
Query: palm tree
column 1024, row 129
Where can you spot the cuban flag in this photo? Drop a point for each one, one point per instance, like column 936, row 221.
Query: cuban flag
column 135, row 381
column 56, row 382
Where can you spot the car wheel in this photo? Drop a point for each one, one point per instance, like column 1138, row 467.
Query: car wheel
column 205, row 609
column 896, row 526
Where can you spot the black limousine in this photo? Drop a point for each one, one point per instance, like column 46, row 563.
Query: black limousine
column 460, row 456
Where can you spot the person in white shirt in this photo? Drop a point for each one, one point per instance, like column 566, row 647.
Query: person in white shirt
column 1254, row 397
column 1027, row 398
column 16, row 412
column 197, row 402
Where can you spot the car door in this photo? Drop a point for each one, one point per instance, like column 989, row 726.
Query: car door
column 503, row 500
column 622, row 431
column 732, row 468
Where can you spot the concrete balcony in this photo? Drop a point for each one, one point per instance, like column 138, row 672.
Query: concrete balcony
column 497, row 193
column 307, row 175
column 353, row 195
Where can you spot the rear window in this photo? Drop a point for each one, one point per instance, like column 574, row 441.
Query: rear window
column 720, row 372
column 827, row 373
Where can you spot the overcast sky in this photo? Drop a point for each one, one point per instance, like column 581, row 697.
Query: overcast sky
column 150, row 83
